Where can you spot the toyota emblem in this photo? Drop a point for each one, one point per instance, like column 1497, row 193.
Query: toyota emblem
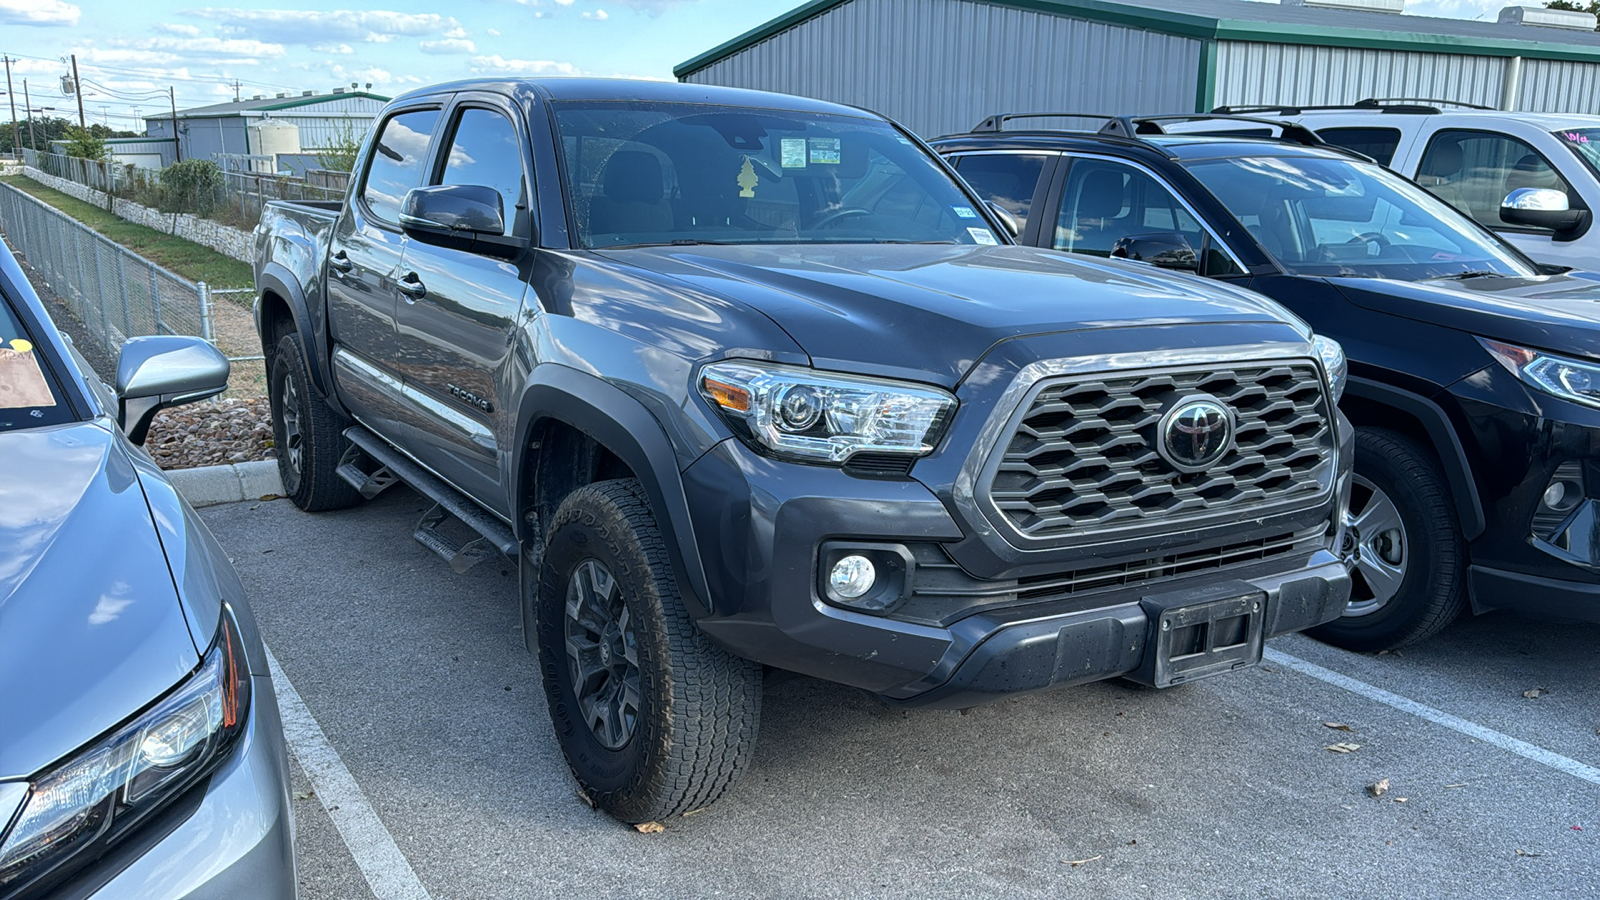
column 1195, row 433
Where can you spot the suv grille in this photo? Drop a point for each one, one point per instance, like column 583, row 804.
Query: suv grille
column 1083, row 455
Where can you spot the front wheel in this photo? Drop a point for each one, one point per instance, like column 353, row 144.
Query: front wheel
column 653, row 718
column 307, row 432
column 1410, row 556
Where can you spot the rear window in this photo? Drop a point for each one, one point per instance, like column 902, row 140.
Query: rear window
column 29, row 397
column 398, row 157
column 1378, row 143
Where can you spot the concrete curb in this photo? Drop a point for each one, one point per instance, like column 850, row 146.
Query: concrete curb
column 211, row 485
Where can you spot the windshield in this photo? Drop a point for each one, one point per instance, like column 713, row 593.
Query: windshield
column 1338, row 217
column 664, row 173
column 1585, row 142
column 28, row 396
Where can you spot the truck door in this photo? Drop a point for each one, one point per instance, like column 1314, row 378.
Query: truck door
column 364, row 259
column 458, row 308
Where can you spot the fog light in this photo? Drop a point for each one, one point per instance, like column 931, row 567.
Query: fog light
column 852, row 577
column 1561, row 496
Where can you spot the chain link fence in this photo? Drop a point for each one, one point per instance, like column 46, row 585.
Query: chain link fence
column 118, row 294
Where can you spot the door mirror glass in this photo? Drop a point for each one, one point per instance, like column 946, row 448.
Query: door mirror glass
column 457, row 209
column 1013, row 226
column 156, row 372
column 1540, row 208
column 1165, row 250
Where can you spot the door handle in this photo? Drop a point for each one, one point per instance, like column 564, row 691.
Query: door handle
column 412, row 286
column 341, row 262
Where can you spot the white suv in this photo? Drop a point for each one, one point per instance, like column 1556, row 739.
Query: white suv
column 1475, row 159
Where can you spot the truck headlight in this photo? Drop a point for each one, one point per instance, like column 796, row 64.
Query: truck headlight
column 824, row 417
column 1334, row 364
column 91, row 799
column 1570, row 379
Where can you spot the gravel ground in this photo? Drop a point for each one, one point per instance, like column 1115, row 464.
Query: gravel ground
column 209, row 434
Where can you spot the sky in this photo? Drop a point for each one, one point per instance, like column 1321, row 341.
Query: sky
column 130, row 52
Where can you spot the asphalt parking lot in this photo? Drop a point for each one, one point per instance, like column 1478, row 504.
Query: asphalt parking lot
column 434, row 773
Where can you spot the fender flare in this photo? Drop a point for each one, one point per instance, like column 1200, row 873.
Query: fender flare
column 624, row 426
column 277, row 279
column 1445, row 441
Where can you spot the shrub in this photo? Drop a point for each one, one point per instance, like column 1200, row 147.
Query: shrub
column 192, row 186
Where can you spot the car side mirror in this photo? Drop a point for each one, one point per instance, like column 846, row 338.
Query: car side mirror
column 1541, row 208
column 1013, row 226
column 156, row 372
column 1164, row 250
column 467, row 216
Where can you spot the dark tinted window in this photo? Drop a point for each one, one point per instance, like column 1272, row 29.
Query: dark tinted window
column 398, row 158
column 1104, row 202
column 29, row 397
column 1378, row 143
column 1006, row 179
column 1475, row 170
column 484, row 151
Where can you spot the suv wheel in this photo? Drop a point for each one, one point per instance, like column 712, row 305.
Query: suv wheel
column 653, row 718
column 307, row 432
column 1410, row 555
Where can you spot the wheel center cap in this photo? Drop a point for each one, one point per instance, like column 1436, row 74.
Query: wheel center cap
column 605, row 653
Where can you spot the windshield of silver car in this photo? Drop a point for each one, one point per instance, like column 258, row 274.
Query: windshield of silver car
column 676, row 173
column 1337, row 217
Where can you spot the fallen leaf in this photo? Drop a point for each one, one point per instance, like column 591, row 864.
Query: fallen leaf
column 1337, row 726
column 649, row 828
column 1535, row 693
column 304, row 795
column 1397, row 799
column 693, row 811
column 1462, row 784
column 1522, row 852
column 1343, row 747
column 1378, row 789
column 1078, row 862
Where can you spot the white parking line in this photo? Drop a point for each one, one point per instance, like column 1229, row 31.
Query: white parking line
column 1455, row 723
column 380, row 860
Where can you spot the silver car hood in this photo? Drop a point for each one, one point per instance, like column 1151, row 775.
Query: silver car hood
column 91, row 629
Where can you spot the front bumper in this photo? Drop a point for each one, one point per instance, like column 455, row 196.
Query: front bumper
column 760, row 525
column 234, row 841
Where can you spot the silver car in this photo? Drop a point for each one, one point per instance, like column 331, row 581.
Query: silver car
column 141, row 753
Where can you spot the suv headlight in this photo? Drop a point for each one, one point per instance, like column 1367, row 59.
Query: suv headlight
column 1334, row 365
column 1570, row 379
column 824, row 417
column 92, row 799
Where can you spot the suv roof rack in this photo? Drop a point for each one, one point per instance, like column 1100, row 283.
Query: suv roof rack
column 1139, row 127
column 1423, row 106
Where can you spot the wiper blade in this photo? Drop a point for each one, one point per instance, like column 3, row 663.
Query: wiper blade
column 1468, row 276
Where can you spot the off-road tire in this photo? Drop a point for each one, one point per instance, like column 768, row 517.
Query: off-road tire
column 1432, row 592
column 699, row 706
column 314, row 485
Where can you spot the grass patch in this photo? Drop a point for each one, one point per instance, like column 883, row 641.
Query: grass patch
column 186, row 258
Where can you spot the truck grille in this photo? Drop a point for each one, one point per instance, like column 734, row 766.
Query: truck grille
column 1083, row 455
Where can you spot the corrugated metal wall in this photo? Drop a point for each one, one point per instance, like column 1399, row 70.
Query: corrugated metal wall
column 1250, row 73
column 940, row 67
column 1552, row 86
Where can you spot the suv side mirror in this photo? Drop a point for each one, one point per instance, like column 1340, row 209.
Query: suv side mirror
column 1013, row 227
column 1541, row 208
column 466, row 216
column 154, row 373
column 1164, row 250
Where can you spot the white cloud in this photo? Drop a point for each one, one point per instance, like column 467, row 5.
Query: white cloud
column 496, row 64
column 334, row 49
column 456, row 32
column 564, row 2
column 494, row 32
column 38, row 12
column 180, row 30
column 314, row 27
column 598, row 15
column 448, row 45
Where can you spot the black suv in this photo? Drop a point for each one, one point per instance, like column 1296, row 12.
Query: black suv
column 1475, row 373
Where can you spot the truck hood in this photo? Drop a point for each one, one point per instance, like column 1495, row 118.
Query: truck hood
column 91, row 630
column 931, row 311
column 1552, row 312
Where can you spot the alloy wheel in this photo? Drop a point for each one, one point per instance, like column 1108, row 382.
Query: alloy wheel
column 290, row 414
column 602, row 654
column 1374, row 526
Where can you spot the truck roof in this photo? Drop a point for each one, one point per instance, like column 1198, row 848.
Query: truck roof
column 563, row 89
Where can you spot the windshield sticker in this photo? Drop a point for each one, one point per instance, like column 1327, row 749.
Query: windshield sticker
column 983, row 236
column 747, row 179
column 22, row 384
column 792, row 153
column 1577, row 137
column 965, row 212
column 825, row 152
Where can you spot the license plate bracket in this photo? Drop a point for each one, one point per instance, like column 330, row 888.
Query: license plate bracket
column 1197, row 634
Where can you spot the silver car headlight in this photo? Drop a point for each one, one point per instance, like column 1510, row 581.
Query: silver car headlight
column 1570, row 379
column 93, row 798
column 1334, row 364
column 804, row 415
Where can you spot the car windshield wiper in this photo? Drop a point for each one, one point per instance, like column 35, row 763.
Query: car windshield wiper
column 1468, row 276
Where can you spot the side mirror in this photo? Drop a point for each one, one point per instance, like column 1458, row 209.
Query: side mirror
column 465, row 216
column 1164, row 250
column 1541, row 208
column 1013, row 227
column 154, row 373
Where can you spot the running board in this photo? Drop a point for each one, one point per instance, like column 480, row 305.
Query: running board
column 492, row 535
column 368, row 484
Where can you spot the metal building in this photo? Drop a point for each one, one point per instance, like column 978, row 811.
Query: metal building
column 225, row 128
column 940, row 66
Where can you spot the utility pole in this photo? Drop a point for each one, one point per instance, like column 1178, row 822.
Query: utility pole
column 27, row 102
column 77, row 89
column 16, row 135
column 236, row 90
column 177, row 148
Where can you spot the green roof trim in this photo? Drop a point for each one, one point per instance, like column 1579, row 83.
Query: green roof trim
column 1204, row 28
column 322, row 98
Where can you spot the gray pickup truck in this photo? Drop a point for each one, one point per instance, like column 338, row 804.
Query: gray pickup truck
column 748, row 380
